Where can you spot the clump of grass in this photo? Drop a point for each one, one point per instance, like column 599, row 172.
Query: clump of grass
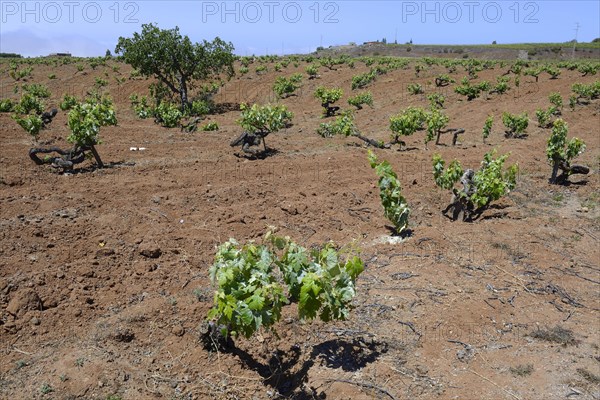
column 522, row 370
column 588, row 376
column 592, row 201
column 558, row 334
column 558, row 198
column 46, row 388
column 201, row 294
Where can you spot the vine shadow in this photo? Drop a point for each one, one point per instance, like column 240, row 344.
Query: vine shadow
column 285, row 372
column 94, row 167
column 406, row 233
column 259, row 155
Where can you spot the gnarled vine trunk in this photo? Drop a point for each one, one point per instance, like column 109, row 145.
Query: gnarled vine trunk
column 565, row 171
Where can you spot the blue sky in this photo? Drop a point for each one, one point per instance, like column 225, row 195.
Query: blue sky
column 88, row 28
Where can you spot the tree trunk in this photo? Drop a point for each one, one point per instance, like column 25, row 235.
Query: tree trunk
column 555, row 166
column 370, row 141
column 183, row 93
column 97, row 157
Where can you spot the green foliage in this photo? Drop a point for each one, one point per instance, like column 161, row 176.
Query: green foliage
column 588, row 69
column 312, row 70
column 361, row 98
column 487, row 127
column 501, row 86
column 436, row 100
column 369, row 61
column 394, row 204
column 535, row 72
column 244, row 70
column 586, row 92
column 46, row 388
column 211, row 126
column 407, row 122
column 261, row 69
column 32, row 124
column 85, row 119
column 343, row 125
column 328, row 95
column 201, row 107
column 490, row 181
column 362, row 80
column 552, row 71
column 446, row 178
column 556, row 100
column 572, row 102
column 264, row 119
column 544, row 117
column 415, row 88
column 29, row 104
column 99, row 82
column 27, row 114
column 515, row 124
column 558, row 149
column 471, row 91
column 167, row 114
column 6, row 105
column 37, row 90
column 285, row 87
column 18, row 74
column 140, row 106
column 436, row 121
column 418, row 69
column 254, row 282
column 174, row 60
column 443, row 80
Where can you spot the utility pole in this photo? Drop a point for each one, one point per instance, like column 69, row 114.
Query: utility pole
column 575, row 41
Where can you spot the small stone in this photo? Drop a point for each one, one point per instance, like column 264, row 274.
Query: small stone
column 178, row 330
column 87, row 273
column 124, row 335
column 104, row 252
column 35, row 321
column 422, row 370
column 22, row 301
column 150, row 250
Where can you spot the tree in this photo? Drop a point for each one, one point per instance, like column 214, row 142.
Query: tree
column 174, row 60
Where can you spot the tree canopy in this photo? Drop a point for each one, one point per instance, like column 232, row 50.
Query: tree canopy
column 174, row 60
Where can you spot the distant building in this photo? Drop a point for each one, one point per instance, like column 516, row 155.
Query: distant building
column 60, row 55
